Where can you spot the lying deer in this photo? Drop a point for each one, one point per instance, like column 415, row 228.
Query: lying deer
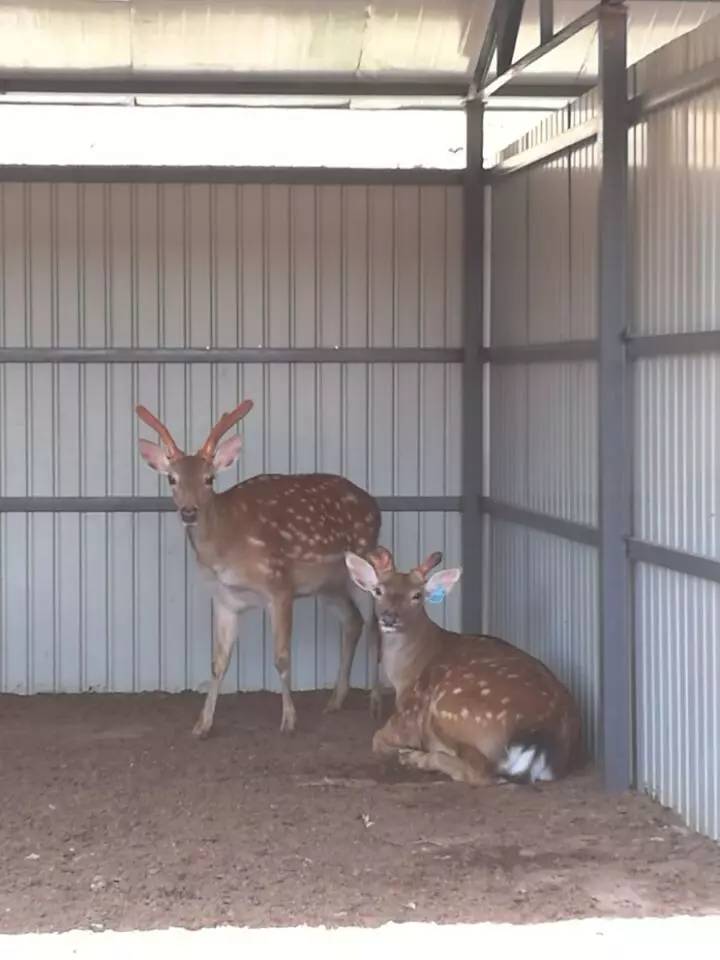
column 264, row 542
column 472, row 707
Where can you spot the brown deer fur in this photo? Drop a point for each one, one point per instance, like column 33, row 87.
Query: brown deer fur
column 473, row 707
column 264, row 542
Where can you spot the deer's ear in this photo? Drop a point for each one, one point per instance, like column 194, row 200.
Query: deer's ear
column 361, row 572
column 154, row 455
column 441, row 583
column 227, row 453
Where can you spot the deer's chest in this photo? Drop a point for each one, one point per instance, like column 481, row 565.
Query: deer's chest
column 397, row 660
column 229, row 589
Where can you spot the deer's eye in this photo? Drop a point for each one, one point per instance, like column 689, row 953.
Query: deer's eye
column 209, row 481
column 172, row 480
column 417, row 597
column 378, row 591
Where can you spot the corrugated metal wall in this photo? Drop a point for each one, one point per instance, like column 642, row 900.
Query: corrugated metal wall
column 675, row 190
column 110, row 601
column 542, row 416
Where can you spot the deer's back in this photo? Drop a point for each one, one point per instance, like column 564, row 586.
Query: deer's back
column 304, row 516
column 495, row 674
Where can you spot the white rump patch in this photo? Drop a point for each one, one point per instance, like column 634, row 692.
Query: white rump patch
column 520, row 761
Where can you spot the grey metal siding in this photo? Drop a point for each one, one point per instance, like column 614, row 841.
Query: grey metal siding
column 212, row 265
column 545, row 599
column 109, row 601
column 677, row 622
column 675, row 184
column 543, row 416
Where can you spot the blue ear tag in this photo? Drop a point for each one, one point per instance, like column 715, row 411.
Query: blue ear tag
column 437, row 596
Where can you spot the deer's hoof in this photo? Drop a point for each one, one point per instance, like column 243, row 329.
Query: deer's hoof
column 201, row 731
column 333, row 705
column 411, row 758
column 287, row 724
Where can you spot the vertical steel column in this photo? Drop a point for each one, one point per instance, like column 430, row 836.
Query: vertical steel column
column 472, row 369
column 616, row 661
column 547, row 20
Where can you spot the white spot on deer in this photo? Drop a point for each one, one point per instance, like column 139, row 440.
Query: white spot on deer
column 446, row 715
column 286, row 535
column 519, row 716
column 488, row 714
column 501, row 715
column 482, row 683
column 457, row 690
column 464, row 713
column 485, row 692
column 362, row 542
column 350, row 498
column 513, row 676
column 264, row 568
column 256, row 542
column 505, row 701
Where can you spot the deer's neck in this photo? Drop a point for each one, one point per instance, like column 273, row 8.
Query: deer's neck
column 207, row 536
column 405, row 655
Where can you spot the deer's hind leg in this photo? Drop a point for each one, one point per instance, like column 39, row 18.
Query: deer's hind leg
column 352, row 626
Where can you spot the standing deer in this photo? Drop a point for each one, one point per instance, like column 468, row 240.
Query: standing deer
column 264, row 542
column 472, row 707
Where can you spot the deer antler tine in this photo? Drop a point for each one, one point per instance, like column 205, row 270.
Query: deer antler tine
column 429, row 563
column 226, row 421
column 171, row 448
column 381, row 559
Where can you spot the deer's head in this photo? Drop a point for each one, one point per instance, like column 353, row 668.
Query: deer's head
column 400, row 597
column 191, row 475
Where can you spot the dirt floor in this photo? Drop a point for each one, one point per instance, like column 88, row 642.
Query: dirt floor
column 113, row 817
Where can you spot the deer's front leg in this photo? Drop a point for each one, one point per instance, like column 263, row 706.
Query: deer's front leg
column 281, row 613
column 226, row 624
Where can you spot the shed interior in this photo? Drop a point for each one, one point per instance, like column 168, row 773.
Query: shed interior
column 515, row 351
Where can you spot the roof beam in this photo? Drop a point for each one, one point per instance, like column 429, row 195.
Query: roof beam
column 232, row 84
column 508, row 33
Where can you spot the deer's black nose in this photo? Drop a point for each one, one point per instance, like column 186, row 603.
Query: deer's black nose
column 189, row 514
column 389, row 620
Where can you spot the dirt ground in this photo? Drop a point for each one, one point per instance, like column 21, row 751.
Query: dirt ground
column 113, row 817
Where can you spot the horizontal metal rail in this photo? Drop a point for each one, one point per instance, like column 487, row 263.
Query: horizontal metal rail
column 546, row 523
column 564, row 351
column 537, row 53
column 583, row 133
column 675, row 91
column 673, row 344
column 392, row 504
column 690, row 564
column 311, row 176
column 231, row 355
column 232, row 83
